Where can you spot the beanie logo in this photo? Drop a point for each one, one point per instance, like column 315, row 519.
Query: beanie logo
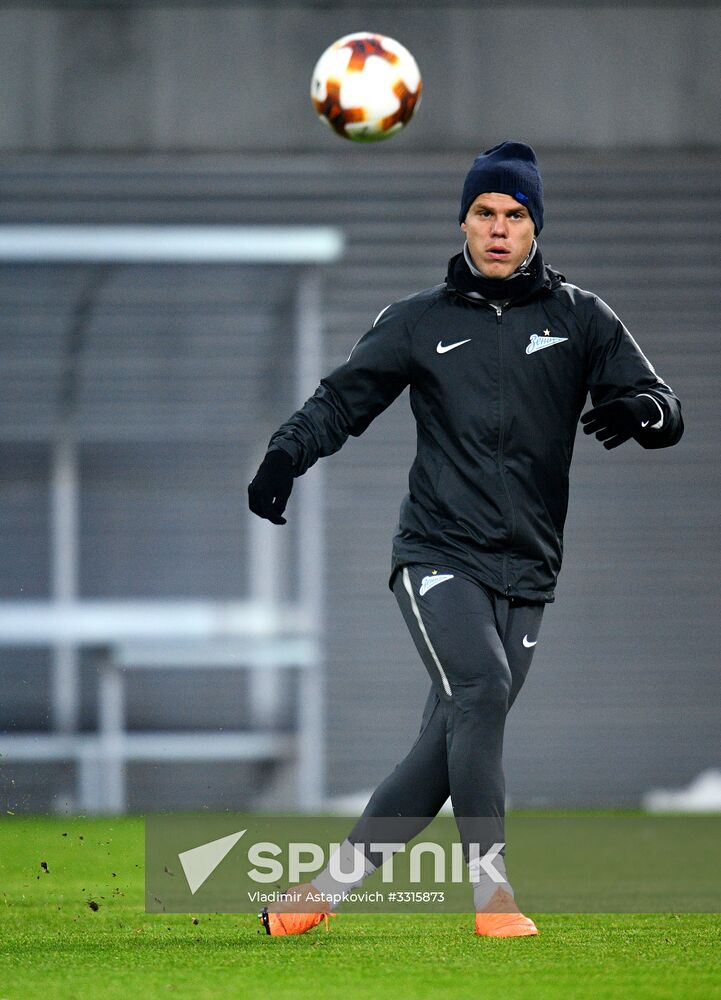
column 520, row 196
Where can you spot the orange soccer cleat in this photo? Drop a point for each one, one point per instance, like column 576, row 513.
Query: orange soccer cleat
column 283, row 918
column 502, row 918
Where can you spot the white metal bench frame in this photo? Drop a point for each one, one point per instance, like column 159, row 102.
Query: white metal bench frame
column 261, row 634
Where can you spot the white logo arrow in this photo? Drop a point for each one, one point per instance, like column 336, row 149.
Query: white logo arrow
column 431, row 581
column 527, row 643
column 199, row 863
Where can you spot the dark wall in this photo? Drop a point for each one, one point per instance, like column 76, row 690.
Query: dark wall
column 237, row 77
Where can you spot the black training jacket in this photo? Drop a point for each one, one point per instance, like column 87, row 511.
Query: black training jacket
column 497, row 394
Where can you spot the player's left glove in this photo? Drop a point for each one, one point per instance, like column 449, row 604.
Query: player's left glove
column 621, row 419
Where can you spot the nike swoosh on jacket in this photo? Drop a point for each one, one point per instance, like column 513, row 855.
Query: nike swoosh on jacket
column 488, row 490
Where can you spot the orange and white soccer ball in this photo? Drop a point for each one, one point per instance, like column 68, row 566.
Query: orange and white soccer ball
column 366, row 86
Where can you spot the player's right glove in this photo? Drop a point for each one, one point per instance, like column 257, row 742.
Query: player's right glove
column 269, row 491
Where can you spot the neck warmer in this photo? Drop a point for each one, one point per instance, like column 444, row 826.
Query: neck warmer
column 529, row 278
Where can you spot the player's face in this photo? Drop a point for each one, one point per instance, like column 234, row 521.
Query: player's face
column 499, row 231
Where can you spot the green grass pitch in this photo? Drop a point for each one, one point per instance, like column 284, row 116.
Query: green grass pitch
column 54, row 945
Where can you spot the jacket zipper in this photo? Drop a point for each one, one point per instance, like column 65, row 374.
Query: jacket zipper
column 502, row 471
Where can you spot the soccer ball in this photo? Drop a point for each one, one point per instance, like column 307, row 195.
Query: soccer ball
column 366, row 86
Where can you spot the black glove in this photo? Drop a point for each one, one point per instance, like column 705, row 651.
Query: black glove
column 269, row 491
column 621, row 419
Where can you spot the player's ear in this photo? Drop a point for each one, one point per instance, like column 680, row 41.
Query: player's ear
column 464, row 227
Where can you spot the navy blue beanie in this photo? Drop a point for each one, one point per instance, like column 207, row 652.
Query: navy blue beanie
column 508, row 168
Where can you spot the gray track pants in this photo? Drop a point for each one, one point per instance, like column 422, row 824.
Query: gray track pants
column 477, row 647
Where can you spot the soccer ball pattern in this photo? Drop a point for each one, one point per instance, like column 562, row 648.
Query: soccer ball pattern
column 366, row 87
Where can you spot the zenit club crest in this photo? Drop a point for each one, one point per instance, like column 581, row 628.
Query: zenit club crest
column 538, row 342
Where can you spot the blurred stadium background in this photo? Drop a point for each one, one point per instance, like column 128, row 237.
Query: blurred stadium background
column 142, row 613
